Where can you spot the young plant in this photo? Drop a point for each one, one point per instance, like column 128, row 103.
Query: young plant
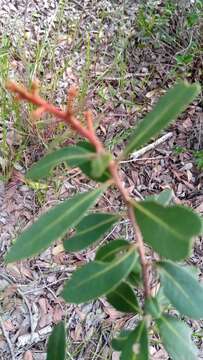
column 120, row 266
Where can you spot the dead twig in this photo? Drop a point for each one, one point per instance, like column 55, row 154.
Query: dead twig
column 7, row 339
column 151, row 146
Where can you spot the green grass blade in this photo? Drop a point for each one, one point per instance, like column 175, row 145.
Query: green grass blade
column 167, row 109
column 52, row 225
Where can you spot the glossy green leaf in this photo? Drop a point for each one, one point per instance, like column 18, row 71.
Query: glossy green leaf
column 73, row 155
column 168, row 230
column 182, row 289
column 176, row 338
column 86, row 167
column 152, row 307
column 135, row 277
column 109, row 251
column 100, row 164
column 166, row 110
column 52, row 225
column 57, row 343
column 163, row 198
column 124, row 299
column 163, row 301
column 89, row 230
column 97, row 278
column 119, row 342
column 136, row 346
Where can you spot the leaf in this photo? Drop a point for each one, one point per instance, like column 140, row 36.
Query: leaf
column 135, row 278
column 52, row 225
column 119, row 342
column 168, row 230
column 109, row 251
column 100, row 164
column 57, row 343
column 164, row 198
column 136, row 346
column 89, row 230
column 176, row 338
column 73, row 155
column 124, row 299
column 166, row 110
column 152, row 307
column 87, row 166
column 97, row 278
column 163, row 301
column 182, row 289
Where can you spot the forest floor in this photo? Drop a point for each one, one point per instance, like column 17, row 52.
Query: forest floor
column 122, row 55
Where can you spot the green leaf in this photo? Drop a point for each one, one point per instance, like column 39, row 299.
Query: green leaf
column 152, row 307
column 100, row 164
column 135, row 277
column 89, row 230
column 136, row 346
column 124, row 299
column 73, row 155
column 86, row 167
column 176, row 338
column 164, row 198
column 166, row 110
column 52, row 225
column 119, row 342
column 182, row 289
column 97, row 278
column 168, row 230
column 163, row 301
column 57, row 343
column 109, row 251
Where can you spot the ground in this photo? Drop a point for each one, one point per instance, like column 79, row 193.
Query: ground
column 122, row 55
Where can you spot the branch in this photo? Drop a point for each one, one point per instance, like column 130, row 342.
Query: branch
column 89, row 133
column 62, row 116
column 151, row 146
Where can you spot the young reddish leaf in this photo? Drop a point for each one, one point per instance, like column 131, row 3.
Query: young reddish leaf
column 136, row 345
column 89, row 230
column 182, row 289
column 73, row 155
column 166, row 110
column 124, row 299
column 168, row 230
column 176, row 338
column 52, row 225
column 98, row 278
column 57, row 343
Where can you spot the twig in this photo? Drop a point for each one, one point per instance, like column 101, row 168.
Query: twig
column 141, row 250
column 68, row 117
column 7, row 339
column 25, row 300
column 151, row 146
